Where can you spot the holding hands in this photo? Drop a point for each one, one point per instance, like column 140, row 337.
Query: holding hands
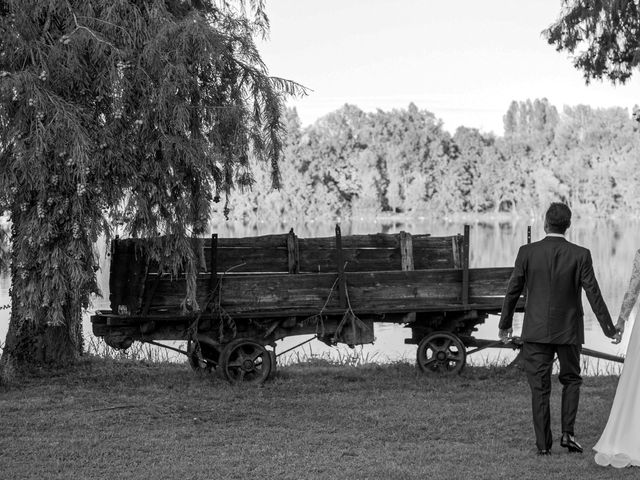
column 617, row 338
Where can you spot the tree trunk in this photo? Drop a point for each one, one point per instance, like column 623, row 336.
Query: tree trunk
column 33, row 343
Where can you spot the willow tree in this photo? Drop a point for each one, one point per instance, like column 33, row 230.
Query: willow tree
column 602, row 35
column 141, row 112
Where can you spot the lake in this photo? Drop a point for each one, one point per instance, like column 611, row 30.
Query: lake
column 493, row 244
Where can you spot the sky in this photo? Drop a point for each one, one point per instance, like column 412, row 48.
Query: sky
column 463, row 60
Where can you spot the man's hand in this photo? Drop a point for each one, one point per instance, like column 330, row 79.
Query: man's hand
column 505, row 335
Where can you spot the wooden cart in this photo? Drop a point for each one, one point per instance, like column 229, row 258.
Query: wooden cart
column 254, row 291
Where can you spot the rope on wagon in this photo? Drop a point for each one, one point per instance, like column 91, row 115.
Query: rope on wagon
column 352, row 318
column 217, row 312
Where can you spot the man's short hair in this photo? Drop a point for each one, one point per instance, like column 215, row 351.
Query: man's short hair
column 558, row 217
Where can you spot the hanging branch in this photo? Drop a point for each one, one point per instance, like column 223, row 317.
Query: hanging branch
column 217, row 312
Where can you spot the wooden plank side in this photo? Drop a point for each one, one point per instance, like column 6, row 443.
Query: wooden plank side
column 256, row 259
column 483, row 282
column 244, row 293
column 126, row 276
column 433, row 252
column 406, row 250
column 465, row 267
column 271, row 253
column 428, row 253
column 263, row 241
column 488, row 282
column 293, row 253
column 377, row 240
column 357, row 260
column 408, row 290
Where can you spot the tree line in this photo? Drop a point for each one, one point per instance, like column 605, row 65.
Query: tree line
column 403, row 161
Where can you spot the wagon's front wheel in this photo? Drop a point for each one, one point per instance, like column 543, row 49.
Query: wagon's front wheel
column 441, row 352
column 246, row 361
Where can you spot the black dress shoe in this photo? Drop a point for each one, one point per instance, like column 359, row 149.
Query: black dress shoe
column 569, row 442
column 544, row 452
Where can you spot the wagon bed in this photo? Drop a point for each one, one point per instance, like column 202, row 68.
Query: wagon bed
column 253, row 291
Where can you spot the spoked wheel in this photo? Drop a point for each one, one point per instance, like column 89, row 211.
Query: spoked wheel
column 441, row 352
column 204, row 360
column 246, row 361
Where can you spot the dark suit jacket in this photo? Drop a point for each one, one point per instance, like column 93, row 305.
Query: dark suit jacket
column 554, row 272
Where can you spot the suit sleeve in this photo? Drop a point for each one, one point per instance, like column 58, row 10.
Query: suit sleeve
column 592, row 289
column 631, row 295
column 514, row 290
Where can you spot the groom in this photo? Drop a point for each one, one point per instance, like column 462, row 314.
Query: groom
column 554, row 272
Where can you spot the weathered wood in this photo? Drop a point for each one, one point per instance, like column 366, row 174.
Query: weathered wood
column 127, row 276
column 293, row 252
column 269, row 255
column 406, row 250
column 342, row 284
column 411, row 290
column 457, row 254
column 263, row 241
column 433, row 252
column 465, row 267
column 149, row 290
column 355, row 259
column 378, row 240
column 117, row 276
column 129, row 286
column 428, row 252
column 258, row 259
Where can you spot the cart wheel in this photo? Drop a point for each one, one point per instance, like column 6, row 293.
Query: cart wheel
column 441, row 352
column 246, row 361
column 205, row 360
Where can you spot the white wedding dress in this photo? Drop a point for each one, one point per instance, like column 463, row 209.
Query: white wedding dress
column 619, row 445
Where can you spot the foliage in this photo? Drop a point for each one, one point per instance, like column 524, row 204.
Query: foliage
column 602, row 35
column 403, row 162
column 142, row 112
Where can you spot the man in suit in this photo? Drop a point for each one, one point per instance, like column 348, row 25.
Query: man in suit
column 554, row 271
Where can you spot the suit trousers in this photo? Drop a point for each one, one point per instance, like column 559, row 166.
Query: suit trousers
column 538, row 359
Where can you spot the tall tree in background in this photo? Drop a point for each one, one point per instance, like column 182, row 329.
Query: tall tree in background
column 414, row 153
column 602, row 36
column 330, row 159
column 145, row 111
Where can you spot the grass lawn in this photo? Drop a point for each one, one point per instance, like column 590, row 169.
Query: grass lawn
column 124, row 419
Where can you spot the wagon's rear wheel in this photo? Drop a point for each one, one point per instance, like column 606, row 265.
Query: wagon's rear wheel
column 441, row 352
column 246, row 361
column 205, row 359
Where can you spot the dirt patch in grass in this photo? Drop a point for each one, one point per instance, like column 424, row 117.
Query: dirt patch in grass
column 123, row 419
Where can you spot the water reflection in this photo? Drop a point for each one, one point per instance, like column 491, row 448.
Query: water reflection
column 493, row 244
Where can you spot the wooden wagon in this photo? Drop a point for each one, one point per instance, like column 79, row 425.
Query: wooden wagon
column 254, row 291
